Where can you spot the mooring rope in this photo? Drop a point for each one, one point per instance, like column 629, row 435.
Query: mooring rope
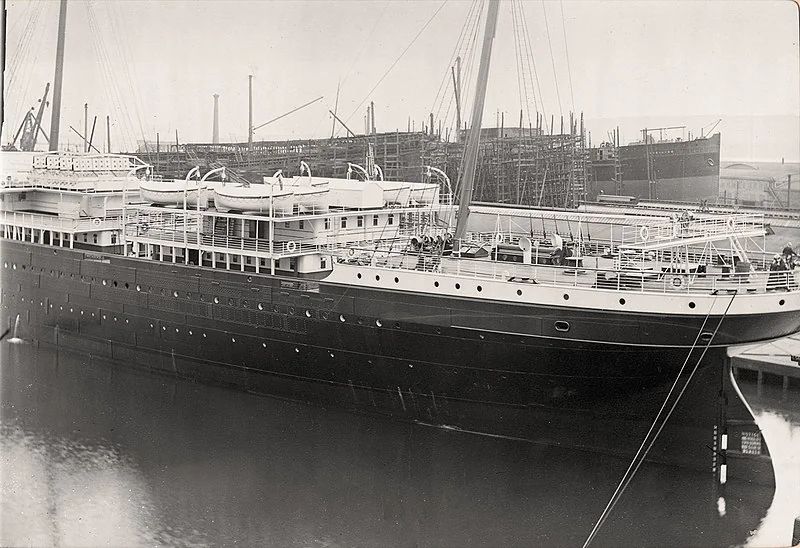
column 641, row 454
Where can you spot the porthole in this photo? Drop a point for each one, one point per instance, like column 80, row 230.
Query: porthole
column 519, row 292
column 342, row 318
column 175, row 293
column 781, row 302
column 458, row 286
column 205, row 336
column 566, row 297
column 71, row 310
column 151, row 326
column 358, row 275
column 163, row 328
column 261, row 306
column 177, row 330
column 291, row 310
column 216, row 300
column 233, row 339
column 331, row 354
column 249, row 278
column 379, row 323
column 411, row 365
column 324, row 315
column 481, row 336
column 81, row 312
column 377, row 278
column 105, row 282
column 360, row 321
column 308, row 313
column 245, row 304
column 114, row 283
column 263, row 345
column 188, row 295
column 480, row 289
column 297, row 350
column 438, row 330
column 397, row 325
column 397, row 280
column 231, row 302
column 435, row 284
column 127, row 285
column 622, row 301
column 705, row 336
column 190, row 332
column 275, row 308
column 691, row 304
column 561, row 326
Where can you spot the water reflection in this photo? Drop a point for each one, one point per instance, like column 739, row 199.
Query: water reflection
column 99, row 455
column 778, row 415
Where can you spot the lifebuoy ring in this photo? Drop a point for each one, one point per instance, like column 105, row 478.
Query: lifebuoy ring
column 677, row 282
column 96, row 221
column 351, row 252
column 498, row 238
column 644, row 233
column 291, row 247
column 730, row 223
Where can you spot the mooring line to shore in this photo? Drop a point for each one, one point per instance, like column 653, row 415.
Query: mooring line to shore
column 642, row 452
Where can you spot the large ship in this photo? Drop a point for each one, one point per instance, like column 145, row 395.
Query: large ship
column 657, row 169
column 366, row 294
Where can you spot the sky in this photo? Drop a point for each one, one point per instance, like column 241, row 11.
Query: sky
column 154, row 65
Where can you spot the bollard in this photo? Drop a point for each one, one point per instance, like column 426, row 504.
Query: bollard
column 796, row 532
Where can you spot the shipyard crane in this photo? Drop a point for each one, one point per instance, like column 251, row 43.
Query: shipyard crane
column 30, row 127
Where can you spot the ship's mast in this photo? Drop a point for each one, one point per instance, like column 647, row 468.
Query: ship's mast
column 55, row 119
column 471, row 150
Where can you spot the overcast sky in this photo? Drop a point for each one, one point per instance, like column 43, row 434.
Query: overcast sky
column 153, row 66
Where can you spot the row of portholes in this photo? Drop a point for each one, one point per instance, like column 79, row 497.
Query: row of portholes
column 435, row 283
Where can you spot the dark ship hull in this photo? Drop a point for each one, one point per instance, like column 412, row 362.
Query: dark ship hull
column 439, row 360
column 683, row 171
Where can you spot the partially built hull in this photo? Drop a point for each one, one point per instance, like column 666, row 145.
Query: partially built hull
column 685, row 171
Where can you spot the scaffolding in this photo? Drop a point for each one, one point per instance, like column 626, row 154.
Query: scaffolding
column 515, row 165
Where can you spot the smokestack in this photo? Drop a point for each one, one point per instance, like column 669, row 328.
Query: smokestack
column 215, row 131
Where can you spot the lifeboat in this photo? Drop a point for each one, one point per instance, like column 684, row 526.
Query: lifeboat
column 254, row 199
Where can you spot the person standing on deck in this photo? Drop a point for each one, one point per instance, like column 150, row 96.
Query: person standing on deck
column 789, row 255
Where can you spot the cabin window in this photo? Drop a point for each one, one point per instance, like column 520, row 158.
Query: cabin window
column 301, row 224
column 292, row 264
column 323, row 263
column 344, row 222
column 286, row 224
column 94, row 238
column 374, row 220
column 84, row 237
column 252, row 229
column 391, row 219
column 360, row 221
column 262, row 229
column 327, row 223
column 113, row 238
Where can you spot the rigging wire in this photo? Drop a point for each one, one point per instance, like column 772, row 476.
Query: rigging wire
column 636, row 463
column 566, row 51
column 552, row 59
column 465, row 48
column 22, row 59
column 385, row 74
column 119, row 30
column 532, row 62
column 463, row 34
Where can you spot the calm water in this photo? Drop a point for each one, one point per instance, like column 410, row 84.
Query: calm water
column 99, row 456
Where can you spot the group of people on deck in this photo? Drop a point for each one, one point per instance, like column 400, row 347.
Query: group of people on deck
column 780, row 275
